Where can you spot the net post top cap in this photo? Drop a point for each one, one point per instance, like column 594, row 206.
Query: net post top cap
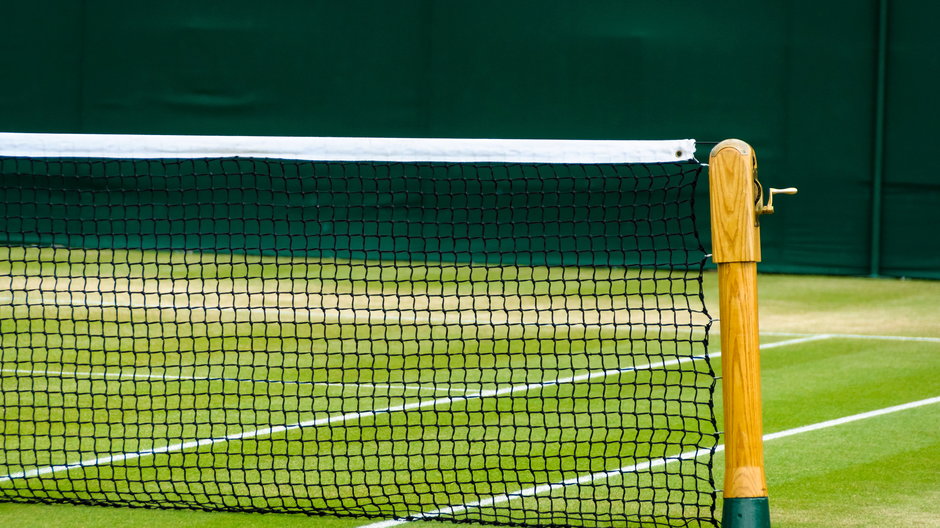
column 741, row 146
column 732, row 168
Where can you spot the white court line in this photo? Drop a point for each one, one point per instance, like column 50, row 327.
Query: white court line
column 164, row 377
column 852, row 418
column 794, row 341
column 860, row 336
column 268, row 431
column 688, row 455
column 540, row 489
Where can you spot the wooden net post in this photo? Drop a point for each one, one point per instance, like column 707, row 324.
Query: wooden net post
column 736, row 203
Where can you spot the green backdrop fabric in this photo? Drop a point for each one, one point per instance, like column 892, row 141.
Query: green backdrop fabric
column 795, row 79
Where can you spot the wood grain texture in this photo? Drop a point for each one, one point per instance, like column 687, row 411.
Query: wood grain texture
column 740, row 359
column 735, row 234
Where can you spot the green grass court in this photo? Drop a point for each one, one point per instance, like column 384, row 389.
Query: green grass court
column 833, row 348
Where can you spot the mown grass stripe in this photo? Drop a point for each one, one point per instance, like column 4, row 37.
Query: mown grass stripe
column 352, row 315
column 165, row 377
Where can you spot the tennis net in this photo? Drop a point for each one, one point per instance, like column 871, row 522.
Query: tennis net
column 501, row 331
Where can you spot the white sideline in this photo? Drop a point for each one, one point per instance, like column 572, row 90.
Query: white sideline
column 544, row 488
column 852, row 418
column 794, row 341
column 860, row 336
column 268, row 431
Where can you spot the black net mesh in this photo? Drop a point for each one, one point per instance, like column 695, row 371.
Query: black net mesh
column 509, row 343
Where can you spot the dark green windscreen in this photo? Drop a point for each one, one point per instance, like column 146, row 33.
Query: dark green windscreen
column 795, row 79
